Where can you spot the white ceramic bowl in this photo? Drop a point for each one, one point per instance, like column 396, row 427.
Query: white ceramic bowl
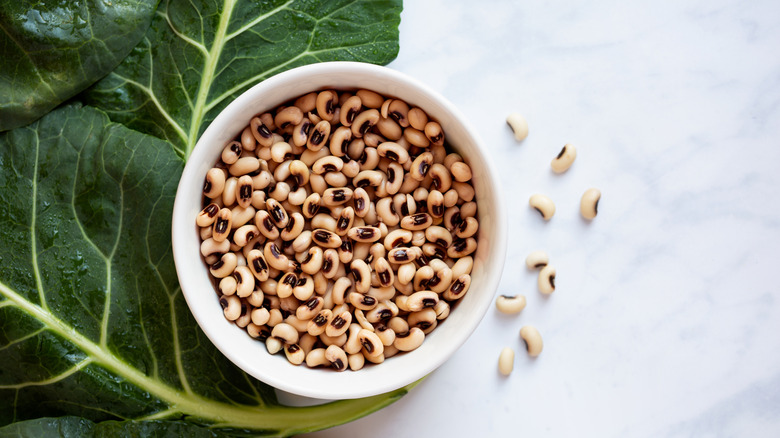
column 395, row 372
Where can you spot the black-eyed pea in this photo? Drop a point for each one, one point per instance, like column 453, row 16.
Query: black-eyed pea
column 257, row 265
column 294, row 353
column 269, row 288
column 307, row 102
column 398, row 110
column 262, row 129
column 361, row 301
column 543, row 204
column 243, row 166
column 546, row 280
column 274, row 257
column 370, row 99
column 416, row 222
column 337, row 357
column 260, row 316
column 208, row 215
column 273, row 345
column 452, row 218
column 465, row 191
column 510, row 304
column 211, row 247
column 417, row 118
column 589, row 203
column 386, row 335
column 442, row 309
column 257, row 332
column 323, row 221
column 215, row 183
column 304, row 288
column 309, row 309
column 458, row 288
column 318, row 185
column 406, row 273
column 339, row 141
column 441, row 178
column 422, row 300
column 386, row 212
column 356, row 361
column 330, row 263
column 222, row 225
column 349, row 110
column 294, row 227
column 335, row 179
column 421, row 166
column 439, row 236
column 364, row 234
column 316, row 358
column 390, row 128
column 384, row 272
column 285, row 285
column 435, row 203
column 372, row 345
column 275, row 317
column 441, row 281
column 256, row 298
column 244, row 234
column 397, row 238
column 316, row 325
column 506, row 361
column 319, row 135
column 225, row 266
column 299, row 324
column 393, row 151
column 277, row 213
column 395, row 178
column 422, row 319
column 231, row 307
column 410, row 340
column 205, row 233
column 313, row 260
column 460, row 171
column 468, row 209
column 331, row 340
column 467, row 228
column 401, row 255
column 564, row 159
column 242, row 215
column 332, row 197
column 519, row 126
column 537, row 260
column 245, row 281
column 434, row 133
column 248, row 142
column 364, row 122
column 285, row 333
column 416, row 137
column 327, row 164
column 228, row 285
column 326, row 103
column 361, row 273
column 307, row 342
column 345, row 221
column 418, row 238
column 532, row 339
column 326, row 238
column 339, row 324
column 462, row 247
column 353, row 345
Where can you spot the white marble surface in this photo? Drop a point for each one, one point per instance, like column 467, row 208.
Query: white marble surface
column 666, row 318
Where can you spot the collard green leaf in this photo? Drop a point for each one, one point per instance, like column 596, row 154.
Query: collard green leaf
column 92, row 321
column 83, row 428
column 51, row 51
column 198, row 55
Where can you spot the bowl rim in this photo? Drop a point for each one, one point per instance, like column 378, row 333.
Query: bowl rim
column 182, row 210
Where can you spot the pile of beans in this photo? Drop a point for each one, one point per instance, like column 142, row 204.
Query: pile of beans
column 339, row 228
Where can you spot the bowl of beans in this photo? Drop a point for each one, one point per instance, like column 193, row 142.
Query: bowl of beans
column 338, row 231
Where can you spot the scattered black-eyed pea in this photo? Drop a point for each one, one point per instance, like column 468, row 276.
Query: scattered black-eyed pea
column 510, row 304
column 231, row 306
column 337, row 357
column 208, row 215
column 589, row 203
column 519, row 126
column 537, row 260
column 533, row 340
column 224, row 266
column 546, row 279
column 285, row 332
column 564, row 159
column 273, row 345
column 372, row 345
column 543, row 204
column 506, row 361
column 421, row 300
column 295, row 354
